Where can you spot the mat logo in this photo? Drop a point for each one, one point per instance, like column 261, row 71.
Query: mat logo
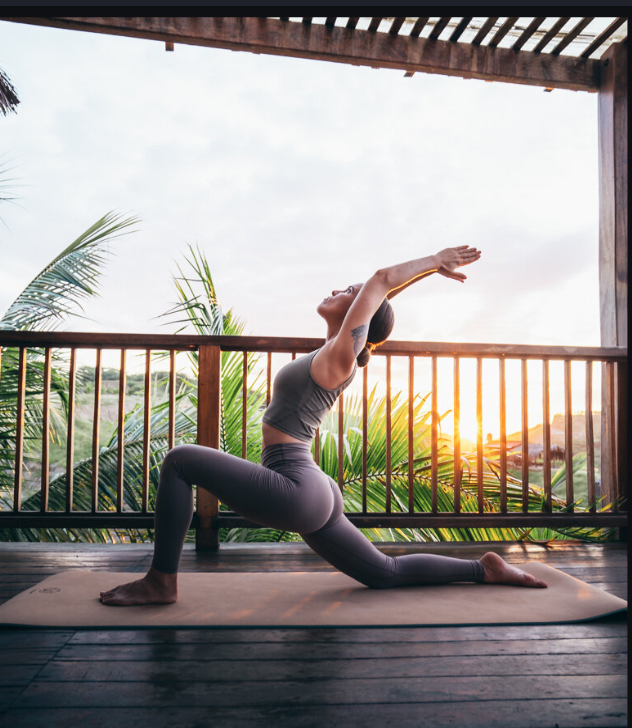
column 49, row 590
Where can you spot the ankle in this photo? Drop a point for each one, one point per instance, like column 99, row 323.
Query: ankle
column 161, row 577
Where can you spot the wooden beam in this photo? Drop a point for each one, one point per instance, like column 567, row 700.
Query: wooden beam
column 571, row 35
column 603, row 37
column 530, row 30
column 613, row 193
column 460, row 29
column 342, row 45
column 438, row 29
column 613, row 252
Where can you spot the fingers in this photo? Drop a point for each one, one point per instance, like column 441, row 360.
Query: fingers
column 453, row 274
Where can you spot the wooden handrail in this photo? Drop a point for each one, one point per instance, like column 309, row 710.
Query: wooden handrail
column 284, row 344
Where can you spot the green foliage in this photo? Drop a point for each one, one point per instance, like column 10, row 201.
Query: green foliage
column 57, row 291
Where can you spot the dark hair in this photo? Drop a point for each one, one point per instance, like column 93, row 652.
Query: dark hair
column 379, row 330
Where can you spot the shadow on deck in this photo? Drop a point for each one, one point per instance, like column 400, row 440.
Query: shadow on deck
column 496, row 677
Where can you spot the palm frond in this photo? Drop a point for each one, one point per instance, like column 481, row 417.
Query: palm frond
column 57, row 290
column 8, row 95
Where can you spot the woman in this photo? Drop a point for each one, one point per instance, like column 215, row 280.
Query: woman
column 288, row 491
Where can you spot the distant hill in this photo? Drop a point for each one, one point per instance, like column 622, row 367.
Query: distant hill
column 557, row 431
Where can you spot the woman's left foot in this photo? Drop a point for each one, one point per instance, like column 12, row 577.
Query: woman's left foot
column 153, row 588
column 498, row 571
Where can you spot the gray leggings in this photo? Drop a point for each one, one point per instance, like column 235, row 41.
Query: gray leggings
column 288, row 492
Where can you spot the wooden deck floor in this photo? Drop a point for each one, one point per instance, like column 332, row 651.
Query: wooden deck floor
column 493, row 677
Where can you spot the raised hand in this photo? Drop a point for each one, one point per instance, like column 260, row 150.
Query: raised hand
column 452, row 258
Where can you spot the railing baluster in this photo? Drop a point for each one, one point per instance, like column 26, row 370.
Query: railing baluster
column 146, row 432
column 208, row 434
column 173, row 377
column 411, row 397
column 621, row 439
column 317, row 447
column 45, row 433
column 388, row 433
column 244, row 405
column 457, row 437
column 590, row 442
column 70, row 440
column 269, row 379
column 341, row 472
column 364, row 434
column 546, row 437
column 612, row 440
column 568, row 435
column 503, row 436
column 479, row 432
column 524, row 398
column 121, row 434
column 433, row 438
column 96, row 422
column 19, row 431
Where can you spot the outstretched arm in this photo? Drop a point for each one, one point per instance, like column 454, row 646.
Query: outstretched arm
column 445, row 263
column 341, row 351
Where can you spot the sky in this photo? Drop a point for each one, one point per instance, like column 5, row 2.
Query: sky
column 295, row 177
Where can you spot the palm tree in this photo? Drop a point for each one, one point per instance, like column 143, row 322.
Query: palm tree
column 55, row 293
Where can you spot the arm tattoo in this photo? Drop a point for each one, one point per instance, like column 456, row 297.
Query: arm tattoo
column 359, row 335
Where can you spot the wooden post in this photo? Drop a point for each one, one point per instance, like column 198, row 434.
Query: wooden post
column 209, row 404
column 613, row 253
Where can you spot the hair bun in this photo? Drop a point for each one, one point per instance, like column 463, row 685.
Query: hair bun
column 364, row 356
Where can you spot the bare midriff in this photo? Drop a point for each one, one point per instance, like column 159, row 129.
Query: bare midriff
column 272, row 436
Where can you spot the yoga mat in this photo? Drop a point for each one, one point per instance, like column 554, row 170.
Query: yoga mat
column 306, row 599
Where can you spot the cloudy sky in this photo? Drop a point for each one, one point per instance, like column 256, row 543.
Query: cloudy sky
column 295, row 177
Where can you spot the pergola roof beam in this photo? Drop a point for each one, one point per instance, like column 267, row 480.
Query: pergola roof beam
column 502, row 32
column 527, row 33
column 397, row 24
column 482, row 33
column 342, row 45
column 603, row 37
column 548, row 37
column 374, row 24
column 419, row 25
column 459, row 30
column 439, row 26
column 571, row 35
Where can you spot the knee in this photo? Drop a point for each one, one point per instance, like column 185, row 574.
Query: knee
column 176, row 457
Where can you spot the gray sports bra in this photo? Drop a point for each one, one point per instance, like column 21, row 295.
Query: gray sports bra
column 298, row 403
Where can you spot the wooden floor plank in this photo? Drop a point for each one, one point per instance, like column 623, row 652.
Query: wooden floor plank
column 331, row 691
column 248, row 670
column 306, row 651
column 576, row 630
column 589, row 713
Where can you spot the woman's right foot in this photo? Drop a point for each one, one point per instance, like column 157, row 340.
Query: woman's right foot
column 498, row 571
column 153, row 588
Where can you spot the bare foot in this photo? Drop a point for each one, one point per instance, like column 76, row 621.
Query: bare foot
column 498, row 571
column 154, row 588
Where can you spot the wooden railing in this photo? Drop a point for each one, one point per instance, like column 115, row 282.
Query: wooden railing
column 208, row 518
